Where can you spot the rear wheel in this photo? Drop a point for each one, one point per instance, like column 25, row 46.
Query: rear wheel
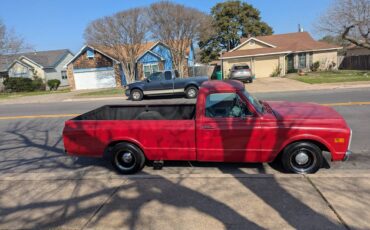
column 136, row 95
column 302, row 157
column 191, row 92
column 127, row 158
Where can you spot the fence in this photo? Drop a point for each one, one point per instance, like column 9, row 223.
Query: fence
column 361, row 62
column 196, row 71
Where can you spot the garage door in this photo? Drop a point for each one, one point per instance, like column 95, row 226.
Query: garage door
column 94, row 79
column 263, row 67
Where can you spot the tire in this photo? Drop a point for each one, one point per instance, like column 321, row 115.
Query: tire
column 191, row 92
column 302, row 158
column 127, row 158
column 250, row 81
column 136, row 95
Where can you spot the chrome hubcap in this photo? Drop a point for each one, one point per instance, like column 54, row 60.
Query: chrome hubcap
column 136, row 95
column 301, row 158
column 127, row 157
column 191, row 93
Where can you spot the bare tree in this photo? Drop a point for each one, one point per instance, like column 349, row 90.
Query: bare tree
column 123, row 33
column 176, row 25
column 349, row 19
column 10, row 42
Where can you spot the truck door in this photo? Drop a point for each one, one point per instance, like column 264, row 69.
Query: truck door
column 167, row 83
column 228, row 131
column 153, row 83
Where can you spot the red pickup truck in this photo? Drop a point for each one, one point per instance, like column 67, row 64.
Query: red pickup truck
column 226, row 124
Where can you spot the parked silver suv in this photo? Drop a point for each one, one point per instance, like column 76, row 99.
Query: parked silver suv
column 241, row 73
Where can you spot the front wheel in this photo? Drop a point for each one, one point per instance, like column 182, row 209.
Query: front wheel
column 136, row 95
column 191, row 92
column 127, row 158
column 302, row 157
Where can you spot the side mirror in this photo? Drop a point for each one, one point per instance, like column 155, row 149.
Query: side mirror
column 147, row 79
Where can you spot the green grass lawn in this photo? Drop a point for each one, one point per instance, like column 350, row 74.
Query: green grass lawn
column 104, row 92
column 23, row 94
column 332, row 76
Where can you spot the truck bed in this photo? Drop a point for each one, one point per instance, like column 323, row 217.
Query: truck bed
column 164, row 131
column 141, row 112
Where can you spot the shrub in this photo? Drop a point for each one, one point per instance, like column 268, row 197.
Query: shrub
column 292, row 71
column 38, row 84
column 18, row 84
column 53, row 84
column 276, row 72
column 315, row 66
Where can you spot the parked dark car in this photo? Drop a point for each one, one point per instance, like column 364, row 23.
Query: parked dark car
column 241, row 73
column 165, row 83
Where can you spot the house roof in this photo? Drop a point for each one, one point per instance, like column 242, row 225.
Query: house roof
column 45, row 59
column 284, row 43
column 111, row 52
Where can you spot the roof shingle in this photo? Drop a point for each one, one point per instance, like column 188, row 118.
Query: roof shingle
column 290, row 42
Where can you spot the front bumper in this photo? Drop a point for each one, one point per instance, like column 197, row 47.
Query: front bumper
column 347, row 155
column 127, row 92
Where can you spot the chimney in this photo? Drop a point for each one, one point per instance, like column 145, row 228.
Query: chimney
column 300, row 29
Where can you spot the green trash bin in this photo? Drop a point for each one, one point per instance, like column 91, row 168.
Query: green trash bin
column 219, row 75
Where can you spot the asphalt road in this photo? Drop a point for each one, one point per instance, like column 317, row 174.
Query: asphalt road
column 34, row 145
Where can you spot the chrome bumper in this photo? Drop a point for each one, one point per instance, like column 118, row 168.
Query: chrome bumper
column 347, row 155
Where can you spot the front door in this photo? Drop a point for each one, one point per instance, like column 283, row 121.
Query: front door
column 228, row 132
column 290, row 63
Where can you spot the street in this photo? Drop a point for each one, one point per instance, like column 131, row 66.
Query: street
column 41, row 187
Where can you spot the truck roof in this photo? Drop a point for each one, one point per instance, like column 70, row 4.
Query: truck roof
column 217, row 85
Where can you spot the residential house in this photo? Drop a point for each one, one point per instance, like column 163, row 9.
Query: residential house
column 99, row 67
column 354, row 50
column 46, row 65
column 280, row 53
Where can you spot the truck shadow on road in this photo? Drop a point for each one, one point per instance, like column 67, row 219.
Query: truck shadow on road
column 97, row 202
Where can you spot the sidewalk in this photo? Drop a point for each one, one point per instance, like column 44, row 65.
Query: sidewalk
column 260, row 85
column 182, row 202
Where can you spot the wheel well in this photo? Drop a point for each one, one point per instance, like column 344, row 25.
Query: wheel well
column 190, row 86
column 319, row 144
column 110, row 146
column 137, row 89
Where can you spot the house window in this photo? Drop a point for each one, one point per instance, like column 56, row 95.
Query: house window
column 302, row 60
column 64, row 74
column 150, row 68
column 90, row 53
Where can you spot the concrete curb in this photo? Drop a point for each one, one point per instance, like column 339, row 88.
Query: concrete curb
column 104, row 176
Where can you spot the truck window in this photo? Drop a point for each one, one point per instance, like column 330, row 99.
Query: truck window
column 168, row 75
column 220, row 105
column 157, row 76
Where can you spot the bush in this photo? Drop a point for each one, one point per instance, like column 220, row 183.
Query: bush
column 276, row 72
column 315, row 66
column 53, row 84
column 292, row 71
column 18, row 84
column 38, row 84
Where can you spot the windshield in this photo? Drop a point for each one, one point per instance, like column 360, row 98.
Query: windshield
column 255, row 102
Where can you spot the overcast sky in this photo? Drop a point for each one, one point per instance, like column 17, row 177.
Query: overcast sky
column 59, row 24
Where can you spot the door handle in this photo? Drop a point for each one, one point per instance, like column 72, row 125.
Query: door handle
column 208, row 127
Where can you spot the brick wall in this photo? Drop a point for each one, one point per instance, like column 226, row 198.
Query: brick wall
column 70, row 76
column 99, row 61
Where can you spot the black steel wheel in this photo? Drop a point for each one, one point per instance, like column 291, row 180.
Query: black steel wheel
column 302, row 157
column 127, row 158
